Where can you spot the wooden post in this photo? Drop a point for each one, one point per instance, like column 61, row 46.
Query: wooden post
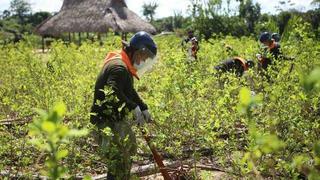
column 79, row 38
column 124, row 36
column 69, row 36
column 99, row 38
column 92, row 37
column 42, row 44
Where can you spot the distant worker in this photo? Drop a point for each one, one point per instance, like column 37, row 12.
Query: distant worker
column 235, row 65
column 271, row 52
column 115, row 97
column 191, row 44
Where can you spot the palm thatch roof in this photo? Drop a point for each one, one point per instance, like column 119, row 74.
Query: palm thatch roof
column 93, row 16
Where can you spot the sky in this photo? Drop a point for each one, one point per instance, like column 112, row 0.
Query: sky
column 165, row 8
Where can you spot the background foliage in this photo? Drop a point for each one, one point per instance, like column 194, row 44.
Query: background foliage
column 191, row 105
column 252, row 127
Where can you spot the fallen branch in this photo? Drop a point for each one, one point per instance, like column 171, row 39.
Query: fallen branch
column 140, row 171
column 19, row 121
column 20, row 175
column 151, row 169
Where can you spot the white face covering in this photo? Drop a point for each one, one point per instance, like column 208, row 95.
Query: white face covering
column 145, row 66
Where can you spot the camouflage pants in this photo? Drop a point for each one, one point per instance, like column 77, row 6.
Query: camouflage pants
column 117, row 144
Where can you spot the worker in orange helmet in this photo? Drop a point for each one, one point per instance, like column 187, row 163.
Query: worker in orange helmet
column 235, row 65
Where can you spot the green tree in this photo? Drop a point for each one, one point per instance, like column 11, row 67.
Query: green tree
column 250, row 12
column 194, row 8
column 283, row 19
column 38, row 17
column 5, row 14
column 21, row 9
column 149, row 10
column 316, row 2
column 313, row 17
column 164, row 24
column 49, row 134
column 205, row 17
column 178, row 20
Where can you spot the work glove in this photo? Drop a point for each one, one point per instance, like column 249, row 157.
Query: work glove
column 139, row 117
column 147, row 115
column 259, row 56
column 252, row 93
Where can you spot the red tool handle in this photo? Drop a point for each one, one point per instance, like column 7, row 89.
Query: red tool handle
column 157, row 157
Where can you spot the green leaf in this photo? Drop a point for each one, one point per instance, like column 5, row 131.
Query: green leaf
column 121, row 107
column 61, row 154
column 314, row 76
column 270, row 143
column 43, row 114
column 317, row 149
column 78, row 133
column 63, row 131
column 107, row 131
column 87, row 177
column 298, row 161
column 48, row 126
column 245, row 96
column 312, row 81
column 60, row 108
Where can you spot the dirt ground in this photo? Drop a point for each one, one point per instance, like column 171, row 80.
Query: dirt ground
column 204, row 175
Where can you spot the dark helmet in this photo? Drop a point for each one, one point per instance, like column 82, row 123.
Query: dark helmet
column 190, row 32
column 143, row 40
column 276, row 37
column 265, row 36
column 250, row 63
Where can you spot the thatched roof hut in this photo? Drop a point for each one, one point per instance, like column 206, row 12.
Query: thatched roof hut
column 93, row 16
